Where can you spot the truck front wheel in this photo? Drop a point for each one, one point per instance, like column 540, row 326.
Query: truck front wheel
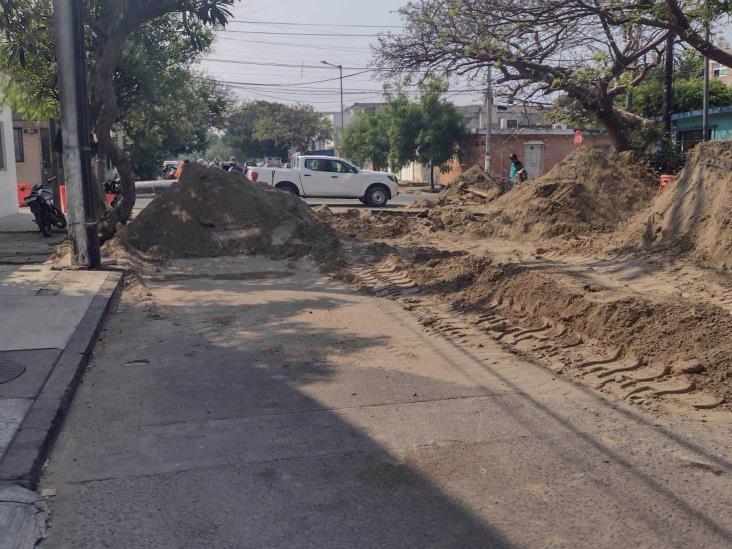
column 377, row 196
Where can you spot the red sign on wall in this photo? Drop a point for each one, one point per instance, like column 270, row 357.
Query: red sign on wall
column 578, row 138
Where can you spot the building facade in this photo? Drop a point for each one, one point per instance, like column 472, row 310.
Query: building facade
column 539, row 149
column 33, row 151
column 687, row 126
column 8, row 189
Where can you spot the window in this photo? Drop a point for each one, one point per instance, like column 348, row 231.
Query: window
column 18, row 139
column 686, row 139
column 342, row 167
column 46, row 148
column 327, row 165
column 2, row 148
column 317, row 164
column 719, row 70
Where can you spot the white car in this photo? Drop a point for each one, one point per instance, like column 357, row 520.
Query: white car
column 330, row 177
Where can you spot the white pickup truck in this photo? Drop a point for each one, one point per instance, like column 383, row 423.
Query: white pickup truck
column 329, row 177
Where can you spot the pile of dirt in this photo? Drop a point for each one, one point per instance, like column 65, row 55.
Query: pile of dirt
column 694, row 214
column 364, row 225
column 586, row 192
column 457, row 191
column 210, row 212
column 660, row 334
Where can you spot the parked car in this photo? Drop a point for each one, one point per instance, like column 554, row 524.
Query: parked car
column 330, row 177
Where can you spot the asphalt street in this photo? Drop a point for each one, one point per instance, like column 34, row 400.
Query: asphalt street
column 400, row 201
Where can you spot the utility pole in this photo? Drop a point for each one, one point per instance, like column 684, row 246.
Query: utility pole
column 489, row 121
column 340, row 72
column 71, row 56
column 705, row 105
column 668, row 79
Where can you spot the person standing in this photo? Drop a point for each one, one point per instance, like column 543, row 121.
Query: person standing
column 517, row 173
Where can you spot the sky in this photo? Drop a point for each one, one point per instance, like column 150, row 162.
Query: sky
column 272, row 50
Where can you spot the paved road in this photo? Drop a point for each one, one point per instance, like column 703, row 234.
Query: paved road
column 253, row 403
column 407, row 196
column 400, row 201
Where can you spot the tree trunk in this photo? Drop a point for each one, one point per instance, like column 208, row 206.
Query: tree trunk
column 106, row 110
column 432, row 177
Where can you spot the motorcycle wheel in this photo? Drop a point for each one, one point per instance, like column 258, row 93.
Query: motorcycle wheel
column 59, row 219
column 44, row 223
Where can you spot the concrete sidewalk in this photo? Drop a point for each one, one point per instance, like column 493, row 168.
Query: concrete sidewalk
column 49, row 324
column 21, row 242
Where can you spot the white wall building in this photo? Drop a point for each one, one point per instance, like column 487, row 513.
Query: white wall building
column 8, row 177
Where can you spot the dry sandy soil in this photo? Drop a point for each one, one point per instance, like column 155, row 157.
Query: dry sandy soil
column 587, row 270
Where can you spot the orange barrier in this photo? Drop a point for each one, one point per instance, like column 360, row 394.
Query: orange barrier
column 665, row 180
column 24, row 189
column 62, row 194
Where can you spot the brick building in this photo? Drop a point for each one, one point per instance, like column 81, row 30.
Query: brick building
column 540, row 149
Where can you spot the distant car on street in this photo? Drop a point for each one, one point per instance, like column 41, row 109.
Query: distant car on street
column 330, row 177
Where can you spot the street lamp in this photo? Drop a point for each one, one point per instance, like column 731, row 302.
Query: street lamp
column 340, row 69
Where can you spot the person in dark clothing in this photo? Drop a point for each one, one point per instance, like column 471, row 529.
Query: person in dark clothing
column 517, row 173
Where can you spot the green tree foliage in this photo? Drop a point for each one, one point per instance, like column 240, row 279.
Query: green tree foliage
column 184, row 108
column 427, row 131
column 404, row 122
column 365, row 139
column 260, row 128
column 688, row 89
column 535, row 48
column 441, row 129
column 133, row 50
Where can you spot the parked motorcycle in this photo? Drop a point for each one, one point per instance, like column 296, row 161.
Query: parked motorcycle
column 47, row 215
column 113, row 186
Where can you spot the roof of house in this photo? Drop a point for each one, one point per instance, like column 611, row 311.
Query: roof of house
column 700, row 112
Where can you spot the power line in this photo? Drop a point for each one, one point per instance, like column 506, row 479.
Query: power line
column 349, row 35
column 329, row 47
column 300, row 66
column 315, row 24
column 288, row 84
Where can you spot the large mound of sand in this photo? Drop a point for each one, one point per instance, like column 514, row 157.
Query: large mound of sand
column 694, row 214
column 210, row 212
column 588, row 191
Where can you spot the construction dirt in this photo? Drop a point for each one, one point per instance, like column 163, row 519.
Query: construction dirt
column 474, row 185
column 639, row 327
column 656, row 334
column 587, row 192
column 214, row 213
column 692, row 215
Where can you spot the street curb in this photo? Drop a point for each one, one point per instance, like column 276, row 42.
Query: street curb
column 24, row 458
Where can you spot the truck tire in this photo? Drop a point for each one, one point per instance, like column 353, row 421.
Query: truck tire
column 377, row 196
column 288, row 188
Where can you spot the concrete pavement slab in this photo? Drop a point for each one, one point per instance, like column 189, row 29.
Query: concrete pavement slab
column 46, row 318
column 12, row 412
column 23, row 517
column 24, row 280
column 37, row 364
column 21, row 222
